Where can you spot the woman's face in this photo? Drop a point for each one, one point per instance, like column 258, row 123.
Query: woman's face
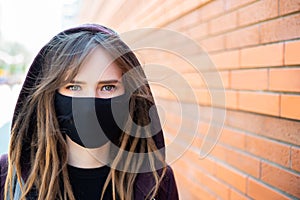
column 98, row 77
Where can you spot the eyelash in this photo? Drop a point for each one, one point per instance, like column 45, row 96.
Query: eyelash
column 113, row 87
column 69, row 87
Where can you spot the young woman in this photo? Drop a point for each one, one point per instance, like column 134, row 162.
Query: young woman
column 85, row 125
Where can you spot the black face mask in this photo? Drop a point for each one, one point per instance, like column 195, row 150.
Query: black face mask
column 91, row 122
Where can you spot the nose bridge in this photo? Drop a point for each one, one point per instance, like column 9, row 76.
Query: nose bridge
column 91, row 91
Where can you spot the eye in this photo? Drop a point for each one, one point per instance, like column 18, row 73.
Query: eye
column 74, row 87
column 108, row 88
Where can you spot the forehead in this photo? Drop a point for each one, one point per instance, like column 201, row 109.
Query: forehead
column 97, row 65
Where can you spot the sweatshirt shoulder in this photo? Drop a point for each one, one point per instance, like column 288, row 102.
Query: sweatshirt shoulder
column 168, row 188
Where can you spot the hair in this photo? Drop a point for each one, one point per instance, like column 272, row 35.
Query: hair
column 37, row 143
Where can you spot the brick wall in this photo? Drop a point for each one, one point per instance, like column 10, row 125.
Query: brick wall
column 255, row 45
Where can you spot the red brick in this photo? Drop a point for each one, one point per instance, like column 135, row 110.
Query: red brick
column 232, row 4
column 156, row 62
column 220, row 189
column 262, row 56
column 198, row 161
column 212, row 9
column 205, row 147
column 175, row 153
column 162, row 92
column 194, row 191
column 284, row 28
column 186, row 193
column 179, row 166
column 281, row 179
column 175, row 25
column 202, row 193
column 183, row 7
column 223, row 23
column 171, row 131
column 203, row 127
column 237, row 196
column 197, row 141
column 198, row 188
column 232, row 177
column 231, row 99
column 225, row 78
column 217, row 79
column 208, row 165
column 207, row 114
column 213, row 43
column 243, row 162
column 290, row 106
column 284, row 79
column 189, row 20
column 256, row 79
column 268, row 149
column 179, row 19
column 198, row 31
column 219, row 152
column 288, row 6
column 185, row 131
column 242, row 37
column 264, row 103
column 161, row 14
column 203, row 97
column 131, row 6
column 233, row 138
column 195, row 80
column 291, row 54
column 258, row 11
column 258, row 190
column 295, row 158
column 226, row 60
column 277, row 128
column 218, row 98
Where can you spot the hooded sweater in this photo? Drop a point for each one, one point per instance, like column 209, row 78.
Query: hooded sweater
column 144, row 181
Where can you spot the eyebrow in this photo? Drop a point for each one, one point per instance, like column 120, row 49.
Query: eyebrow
column 100, row 82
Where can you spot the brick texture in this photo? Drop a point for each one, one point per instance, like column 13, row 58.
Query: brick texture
column 288, row 106
column 282, row 179
column 288, row 6
column 233, row 4
column 285, row 79
column 280, row 29
column 249, row 79
column 228, row 21
column 233, row 138
column 226, row 60
column 258, row 190
column 291, row 56
column 264, row 103
column 267, row 149
column 253, row 46
column 295, row 158
column 198, row 31
column 213, row 9
column 232, row 177
column 262, row 56
column 258, row 11
column 244, row 162
column 272, row 127
column 215, row 43
column 237, row 196
column 244, row 37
